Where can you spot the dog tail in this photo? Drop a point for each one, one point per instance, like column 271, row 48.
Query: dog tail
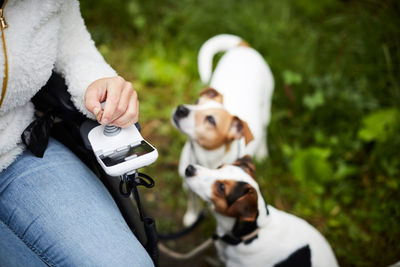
column 212, row 46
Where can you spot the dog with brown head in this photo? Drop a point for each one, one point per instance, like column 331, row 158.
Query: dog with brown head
column 209, row 125
column 249, row 232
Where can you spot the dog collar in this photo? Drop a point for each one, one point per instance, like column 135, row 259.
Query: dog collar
column 235, row 240
column 242, row 231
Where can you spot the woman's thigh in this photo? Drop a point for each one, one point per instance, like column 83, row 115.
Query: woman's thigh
column 14, row 252
column 60, row 210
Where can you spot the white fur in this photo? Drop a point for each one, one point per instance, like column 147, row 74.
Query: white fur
column 43, row 35
column 214, row 45
column 280, row 233
column 246, row 83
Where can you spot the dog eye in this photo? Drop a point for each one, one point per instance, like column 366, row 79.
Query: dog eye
column 221, row 188
column 211, row 120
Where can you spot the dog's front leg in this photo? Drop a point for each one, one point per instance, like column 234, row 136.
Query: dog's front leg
column 193, row 202
column 194, row 207
column 185, row 159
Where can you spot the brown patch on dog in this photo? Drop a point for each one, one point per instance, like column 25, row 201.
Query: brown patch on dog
column 212, row 136
column 244, row 43
column 241, row 129
column 247, row 164
column 222, row 131
column 235, row 199
column 211, row 93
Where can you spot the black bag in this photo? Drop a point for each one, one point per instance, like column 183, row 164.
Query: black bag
column 53, row 100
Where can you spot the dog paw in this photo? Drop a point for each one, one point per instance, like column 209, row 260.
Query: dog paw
column 189, row 218
column 261, row 153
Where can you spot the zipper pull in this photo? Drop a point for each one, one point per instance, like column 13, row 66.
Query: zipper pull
column 3, row 22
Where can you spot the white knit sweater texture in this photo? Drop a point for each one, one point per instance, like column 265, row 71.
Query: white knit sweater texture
column 43, row 35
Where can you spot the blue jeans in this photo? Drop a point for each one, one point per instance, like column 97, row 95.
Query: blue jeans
column 55, row 212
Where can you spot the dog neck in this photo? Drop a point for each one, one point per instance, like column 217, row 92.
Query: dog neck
column 233, row 231
column 242, row 231
column 214, row 158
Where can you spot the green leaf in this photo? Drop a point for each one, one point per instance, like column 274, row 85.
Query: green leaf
column 312, row 101
column 344, row 170
column 291, row 78
column 159, row 71
column 379, row 125
column 287, row 150
column 311, row 165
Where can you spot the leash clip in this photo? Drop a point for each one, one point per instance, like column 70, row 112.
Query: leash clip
column 130, row 181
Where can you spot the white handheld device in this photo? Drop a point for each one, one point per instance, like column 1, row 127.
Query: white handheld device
column 121, row 151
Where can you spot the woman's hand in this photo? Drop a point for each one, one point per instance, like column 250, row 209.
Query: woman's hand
column 122, row 105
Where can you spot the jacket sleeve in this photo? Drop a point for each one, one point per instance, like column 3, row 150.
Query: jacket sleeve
column 78, row 59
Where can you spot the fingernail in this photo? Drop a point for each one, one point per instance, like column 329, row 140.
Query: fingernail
column 104, row 121
column 96, row 110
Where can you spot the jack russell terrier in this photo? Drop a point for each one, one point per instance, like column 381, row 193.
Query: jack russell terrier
column 249, row 232
column 230, row 117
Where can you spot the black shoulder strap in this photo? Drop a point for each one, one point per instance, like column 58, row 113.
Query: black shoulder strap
column 128, row 185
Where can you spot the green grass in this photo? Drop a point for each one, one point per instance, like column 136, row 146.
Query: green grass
column 333, row 137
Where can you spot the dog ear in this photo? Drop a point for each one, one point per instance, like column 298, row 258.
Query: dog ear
column 242, row 202
column 211, row 93
column 240, row 129
column 247, row 164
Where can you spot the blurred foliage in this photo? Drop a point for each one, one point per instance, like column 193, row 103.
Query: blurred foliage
column 334, row 134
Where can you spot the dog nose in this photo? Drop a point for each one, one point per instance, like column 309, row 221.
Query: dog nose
column 190, row 171
column 181, row 111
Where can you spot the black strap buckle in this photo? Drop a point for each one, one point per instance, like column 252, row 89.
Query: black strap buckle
column 129, row 184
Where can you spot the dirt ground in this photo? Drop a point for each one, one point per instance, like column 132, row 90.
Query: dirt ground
column 205, row 259
column 169, row 220
column 185, row 244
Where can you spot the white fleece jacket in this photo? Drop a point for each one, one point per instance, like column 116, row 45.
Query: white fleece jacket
column 43, row 35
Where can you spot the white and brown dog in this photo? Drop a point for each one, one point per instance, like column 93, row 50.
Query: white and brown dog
column 249, row 232
column 230, row 118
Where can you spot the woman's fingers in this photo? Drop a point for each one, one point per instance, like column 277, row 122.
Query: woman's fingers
column 94, row 95
column 129, row 105
column 130, row 116
column 114, row 89
column 122, row 105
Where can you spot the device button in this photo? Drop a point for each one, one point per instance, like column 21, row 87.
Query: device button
column 108, row 153
column 124, row 148
column 135, row 144
column 130, row 157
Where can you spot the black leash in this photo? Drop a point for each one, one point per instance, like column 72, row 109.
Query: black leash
column 128, row 185
column 170, row 236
